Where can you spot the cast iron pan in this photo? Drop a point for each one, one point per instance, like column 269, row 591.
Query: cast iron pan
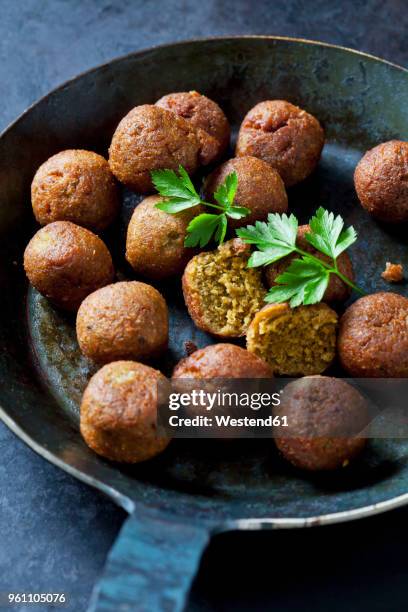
column 196, row 487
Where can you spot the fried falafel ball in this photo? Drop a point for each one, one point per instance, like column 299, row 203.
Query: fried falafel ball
column 294, row 341
column 380, row 179
column 152, row 138
column 222, row 361
column 119, row 412
column 126, row 320
column 373, row 337
column 260, row 188
column 326, row 420
column 206, row 116
column 66, row 262
column 221, row 293
column 155, row 240
column 285, row 136
column 76, row 186
column 337, row 290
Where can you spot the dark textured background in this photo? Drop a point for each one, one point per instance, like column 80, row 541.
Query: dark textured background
column 55, row 531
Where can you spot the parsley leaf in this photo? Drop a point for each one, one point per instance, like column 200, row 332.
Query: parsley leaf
column 180, row 194
column 274, row 239
column 306, row 278
column 226, row 192
column 203, row 227
column 304, row 282
column 327, row 234
column 179, row 191
column 225, row 196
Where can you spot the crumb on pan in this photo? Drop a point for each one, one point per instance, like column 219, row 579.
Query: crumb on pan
column 393, row 273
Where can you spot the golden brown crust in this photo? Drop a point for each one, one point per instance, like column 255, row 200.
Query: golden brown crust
column 222, row 361
column 285, row 136
column 337, row 290
column 206, row 116
column 380, row 179
column 119, row 412
column 326, row 417
column 373, row 337
column 126, row 320
column 218, row 284
column 76, row 186
column 66, row 262
column 294, row 341
column 155, row 240
column 151, row 138
column 260, row 188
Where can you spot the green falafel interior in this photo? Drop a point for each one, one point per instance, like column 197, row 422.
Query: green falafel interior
column 307, row 277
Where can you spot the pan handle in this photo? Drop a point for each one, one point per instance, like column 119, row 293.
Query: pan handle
column 151, row 566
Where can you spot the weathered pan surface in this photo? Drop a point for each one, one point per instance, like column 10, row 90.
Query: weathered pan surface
column 359, row 101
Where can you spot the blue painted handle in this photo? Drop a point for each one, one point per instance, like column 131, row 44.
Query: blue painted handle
column 151, row 566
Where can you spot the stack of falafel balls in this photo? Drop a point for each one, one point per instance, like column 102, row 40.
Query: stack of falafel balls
column 123, row 326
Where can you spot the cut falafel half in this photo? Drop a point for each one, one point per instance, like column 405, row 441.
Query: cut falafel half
column 294, row 341
column 221, row 293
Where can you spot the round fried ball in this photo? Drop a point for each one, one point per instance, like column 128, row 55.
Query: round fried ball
column 221, row 293
column 66, row 262
column 294, row 341
column 206, row 116
column 119, row 412
column 126, row 320
column 77, row 186
column 155, row 240
column 337, row 290
column 285, row 136
column 373, row 337
column 222, row 361
column 380, row 179
column 260, row 188
column 151, row 138
column 326, row 419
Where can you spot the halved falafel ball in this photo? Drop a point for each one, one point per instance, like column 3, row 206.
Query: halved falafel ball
column 337, row 290
column 206, row 116
column 285, row 136
column 326, row 419
column 77, row 186
column 151, row 138
column 126, row 320
column 155, row 240
column 380, row 179
column 260, row 188
column 66, row 262
column 222, row 361
column 119, row 412
column 294, row 341
column 221, row 293
column 373, row 337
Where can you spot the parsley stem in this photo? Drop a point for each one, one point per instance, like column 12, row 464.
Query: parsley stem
column 331, row 269
column 348, row 281
column 213, row 206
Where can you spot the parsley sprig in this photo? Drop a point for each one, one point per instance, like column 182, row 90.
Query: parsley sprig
column 180, row 194
column 307, row 277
